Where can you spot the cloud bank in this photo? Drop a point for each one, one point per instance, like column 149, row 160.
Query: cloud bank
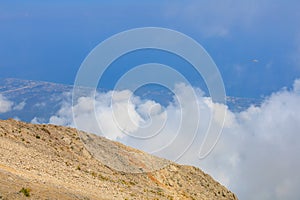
column 256, row 156
column 5, row 104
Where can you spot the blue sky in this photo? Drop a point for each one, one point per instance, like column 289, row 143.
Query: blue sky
column 48, row 41
column 255, row 44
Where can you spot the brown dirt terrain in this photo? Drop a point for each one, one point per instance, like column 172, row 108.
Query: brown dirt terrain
column 52, row 162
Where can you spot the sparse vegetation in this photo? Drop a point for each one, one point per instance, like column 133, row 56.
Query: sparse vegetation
column 94, row 174
column 103, row 178
column 45, row 130
column 160, row 192
column 132, row 183
column 123, row 182
column 25, row 191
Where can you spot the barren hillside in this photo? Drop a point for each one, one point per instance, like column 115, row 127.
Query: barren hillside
column 52, row 162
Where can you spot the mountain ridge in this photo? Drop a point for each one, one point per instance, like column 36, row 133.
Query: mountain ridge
column 52, row 162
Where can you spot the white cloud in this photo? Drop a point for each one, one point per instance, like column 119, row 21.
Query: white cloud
column 20, row 106
column 37, row 120
column 40, row 104
column 5, row 104
column 17, row 118
column 296, row 86
column 256, row 156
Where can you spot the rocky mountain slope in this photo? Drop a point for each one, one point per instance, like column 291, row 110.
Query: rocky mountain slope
column 52, row 162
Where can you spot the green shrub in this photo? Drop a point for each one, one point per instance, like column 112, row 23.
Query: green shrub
column 25, row 191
